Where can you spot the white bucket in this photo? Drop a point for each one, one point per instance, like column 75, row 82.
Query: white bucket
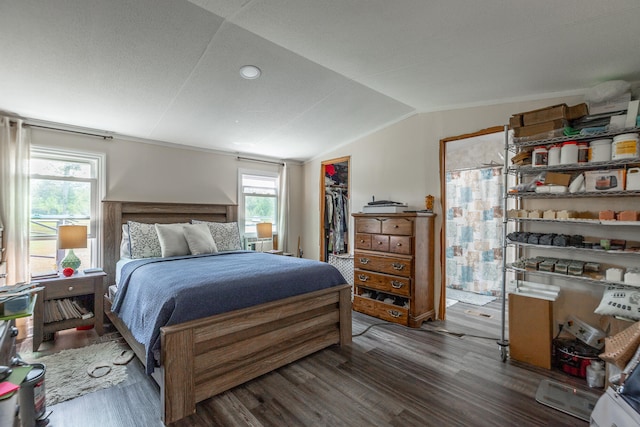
column 624, row 146
column 633, row 179
column 600, row 150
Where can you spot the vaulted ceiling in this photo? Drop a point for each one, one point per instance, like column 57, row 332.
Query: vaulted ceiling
column 332, row 70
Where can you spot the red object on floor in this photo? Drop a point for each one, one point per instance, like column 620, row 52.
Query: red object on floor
column 84, row 328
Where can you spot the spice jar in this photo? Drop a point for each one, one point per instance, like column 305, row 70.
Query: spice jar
column 583, row 152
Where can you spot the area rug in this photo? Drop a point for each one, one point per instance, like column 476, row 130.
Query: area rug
column 469, row 297
column 566, row 399
column 66, row 374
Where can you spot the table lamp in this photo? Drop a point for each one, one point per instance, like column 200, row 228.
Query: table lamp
column 71, row 237
column 265, row 231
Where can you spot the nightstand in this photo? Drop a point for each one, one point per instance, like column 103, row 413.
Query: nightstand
column 85, row 290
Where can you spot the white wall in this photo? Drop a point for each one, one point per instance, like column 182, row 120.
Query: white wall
column 401, row 162
column 139, row 171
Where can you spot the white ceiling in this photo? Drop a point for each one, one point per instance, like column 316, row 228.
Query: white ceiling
column 333, row 70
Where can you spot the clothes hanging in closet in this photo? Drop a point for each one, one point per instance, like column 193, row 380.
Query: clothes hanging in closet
column 335, row 221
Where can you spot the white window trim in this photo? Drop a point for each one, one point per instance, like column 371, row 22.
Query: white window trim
column 101, row 187
column 241, row 218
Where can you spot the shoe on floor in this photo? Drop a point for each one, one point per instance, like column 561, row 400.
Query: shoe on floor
column 123, row 358
column 99, row 369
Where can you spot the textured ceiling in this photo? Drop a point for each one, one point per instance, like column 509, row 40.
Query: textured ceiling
column 333, row 70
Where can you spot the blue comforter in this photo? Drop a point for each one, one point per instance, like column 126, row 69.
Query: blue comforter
column 158, row 292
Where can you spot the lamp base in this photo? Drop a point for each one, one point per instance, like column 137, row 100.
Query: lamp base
column 70, row 261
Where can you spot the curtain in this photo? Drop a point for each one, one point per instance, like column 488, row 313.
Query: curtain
column 14, row 197
column 283, row 209
column 474, row 230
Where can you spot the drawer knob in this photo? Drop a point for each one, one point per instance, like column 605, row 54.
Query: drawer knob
column 396, row 285
column 362, row 241
column 364, row 260
column 70, row 288
column 398, row 244
column 363, row 277
column 394, row 313
column 396, row 226
column 379, row 243
column 397, row 266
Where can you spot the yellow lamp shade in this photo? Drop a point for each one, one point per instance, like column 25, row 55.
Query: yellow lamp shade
column 265, row 230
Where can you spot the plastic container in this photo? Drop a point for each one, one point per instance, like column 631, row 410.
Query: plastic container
column 32, row 396
column 583, row 152
column 595, row 374
column 569, row 153
column 539, row 157
column 600, row 150
column 553, row 155
column 633, row 179
column 624, row 146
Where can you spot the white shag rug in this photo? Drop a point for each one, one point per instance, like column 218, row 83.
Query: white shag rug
column 66, row 374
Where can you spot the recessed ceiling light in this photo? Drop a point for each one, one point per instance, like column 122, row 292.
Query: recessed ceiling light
column 250, row 72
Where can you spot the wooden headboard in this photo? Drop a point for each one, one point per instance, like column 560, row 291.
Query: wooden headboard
column 114, row 214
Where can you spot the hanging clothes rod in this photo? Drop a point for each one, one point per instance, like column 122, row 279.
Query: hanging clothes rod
column 260, row 161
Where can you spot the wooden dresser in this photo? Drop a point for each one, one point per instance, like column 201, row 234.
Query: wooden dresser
column 393, row 267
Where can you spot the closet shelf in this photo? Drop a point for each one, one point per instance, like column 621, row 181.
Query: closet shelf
column 571, row 278
column 579, row 221
column 574, row 249
column 595, row 135
column 533, row 170
column 534, row 195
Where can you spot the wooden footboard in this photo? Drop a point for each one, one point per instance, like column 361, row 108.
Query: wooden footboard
column 205, row 357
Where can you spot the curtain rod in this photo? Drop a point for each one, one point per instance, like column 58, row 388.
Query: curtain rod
column 109, row 137
column 260, row 161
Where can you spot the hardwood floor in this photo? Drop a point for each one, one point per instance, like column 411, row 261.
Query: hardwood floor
column 391, row 376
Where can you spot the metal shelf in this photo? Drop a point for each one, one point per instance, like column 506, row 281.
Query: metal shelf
column 532, row 170
column 534, row 195
column 556, row 140
column 579, row 221
column 570, row 277
column 575, row 249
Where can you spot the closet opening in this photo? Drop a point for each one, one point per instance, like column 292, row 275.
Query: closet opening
column 334, row 207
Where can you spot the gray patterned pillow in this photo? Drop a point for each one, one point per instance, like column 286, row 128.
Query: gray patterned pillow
column 144, row 240
column 225, row 234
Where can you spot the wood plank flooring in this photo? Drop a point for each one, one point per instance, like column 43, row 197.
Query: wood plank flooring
column 391, row 376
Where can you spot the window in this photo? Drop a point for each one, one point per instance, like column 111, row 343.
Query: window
column 259, row 201
column 65, row 188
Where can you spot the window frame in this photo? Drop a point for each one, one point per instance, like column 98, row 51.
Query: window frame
column 97, row 184
column 242, row 204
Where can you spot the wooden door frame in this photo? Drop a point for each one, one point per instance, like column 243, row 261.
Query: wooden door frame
column 322, row 199
column 442, row 306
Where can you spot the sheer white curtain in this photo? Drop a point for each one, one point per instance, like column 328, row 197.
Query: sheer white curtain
column 283, row 209
column 14, row 197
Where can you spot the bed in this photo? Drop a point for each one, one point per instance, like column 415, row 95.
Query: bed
column 206, row 356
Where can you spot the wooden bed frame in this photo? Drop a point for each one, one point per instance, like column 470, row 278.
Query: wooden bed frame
column 205, row 357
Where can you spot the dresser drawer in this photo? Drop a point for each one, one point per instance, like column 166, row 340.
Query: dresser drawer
column 400, row 245
column 382, row 282
column 397, row 226
column 388, row 312
column 380, row 242
column 68, row 288
column 363, row 241
column 391, row 265
column 368, row 225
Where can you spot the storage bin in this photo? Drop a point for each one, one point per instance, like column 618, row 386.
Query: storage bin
column 569, row 153
column 600, row 150
column 633, row 179
column 624, row 146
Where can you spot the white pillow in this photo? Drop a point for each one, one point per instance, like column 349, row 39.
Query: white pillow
column 199, row 239
column 172, row 240
column 125, row 243
column 225, row 234
column 144, row 241
column 620, row 302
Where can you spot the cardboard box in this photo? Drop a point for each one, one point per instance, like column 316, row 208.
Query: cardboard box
column 605, row 180
column 577, row 111
column 515, row 121
column 539, row 128
column 557, row 178
column 530, row 330
column 546, row 114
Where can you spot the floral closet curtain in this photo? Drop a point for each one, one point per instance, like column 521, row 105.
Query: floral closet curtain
column 474, row 230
